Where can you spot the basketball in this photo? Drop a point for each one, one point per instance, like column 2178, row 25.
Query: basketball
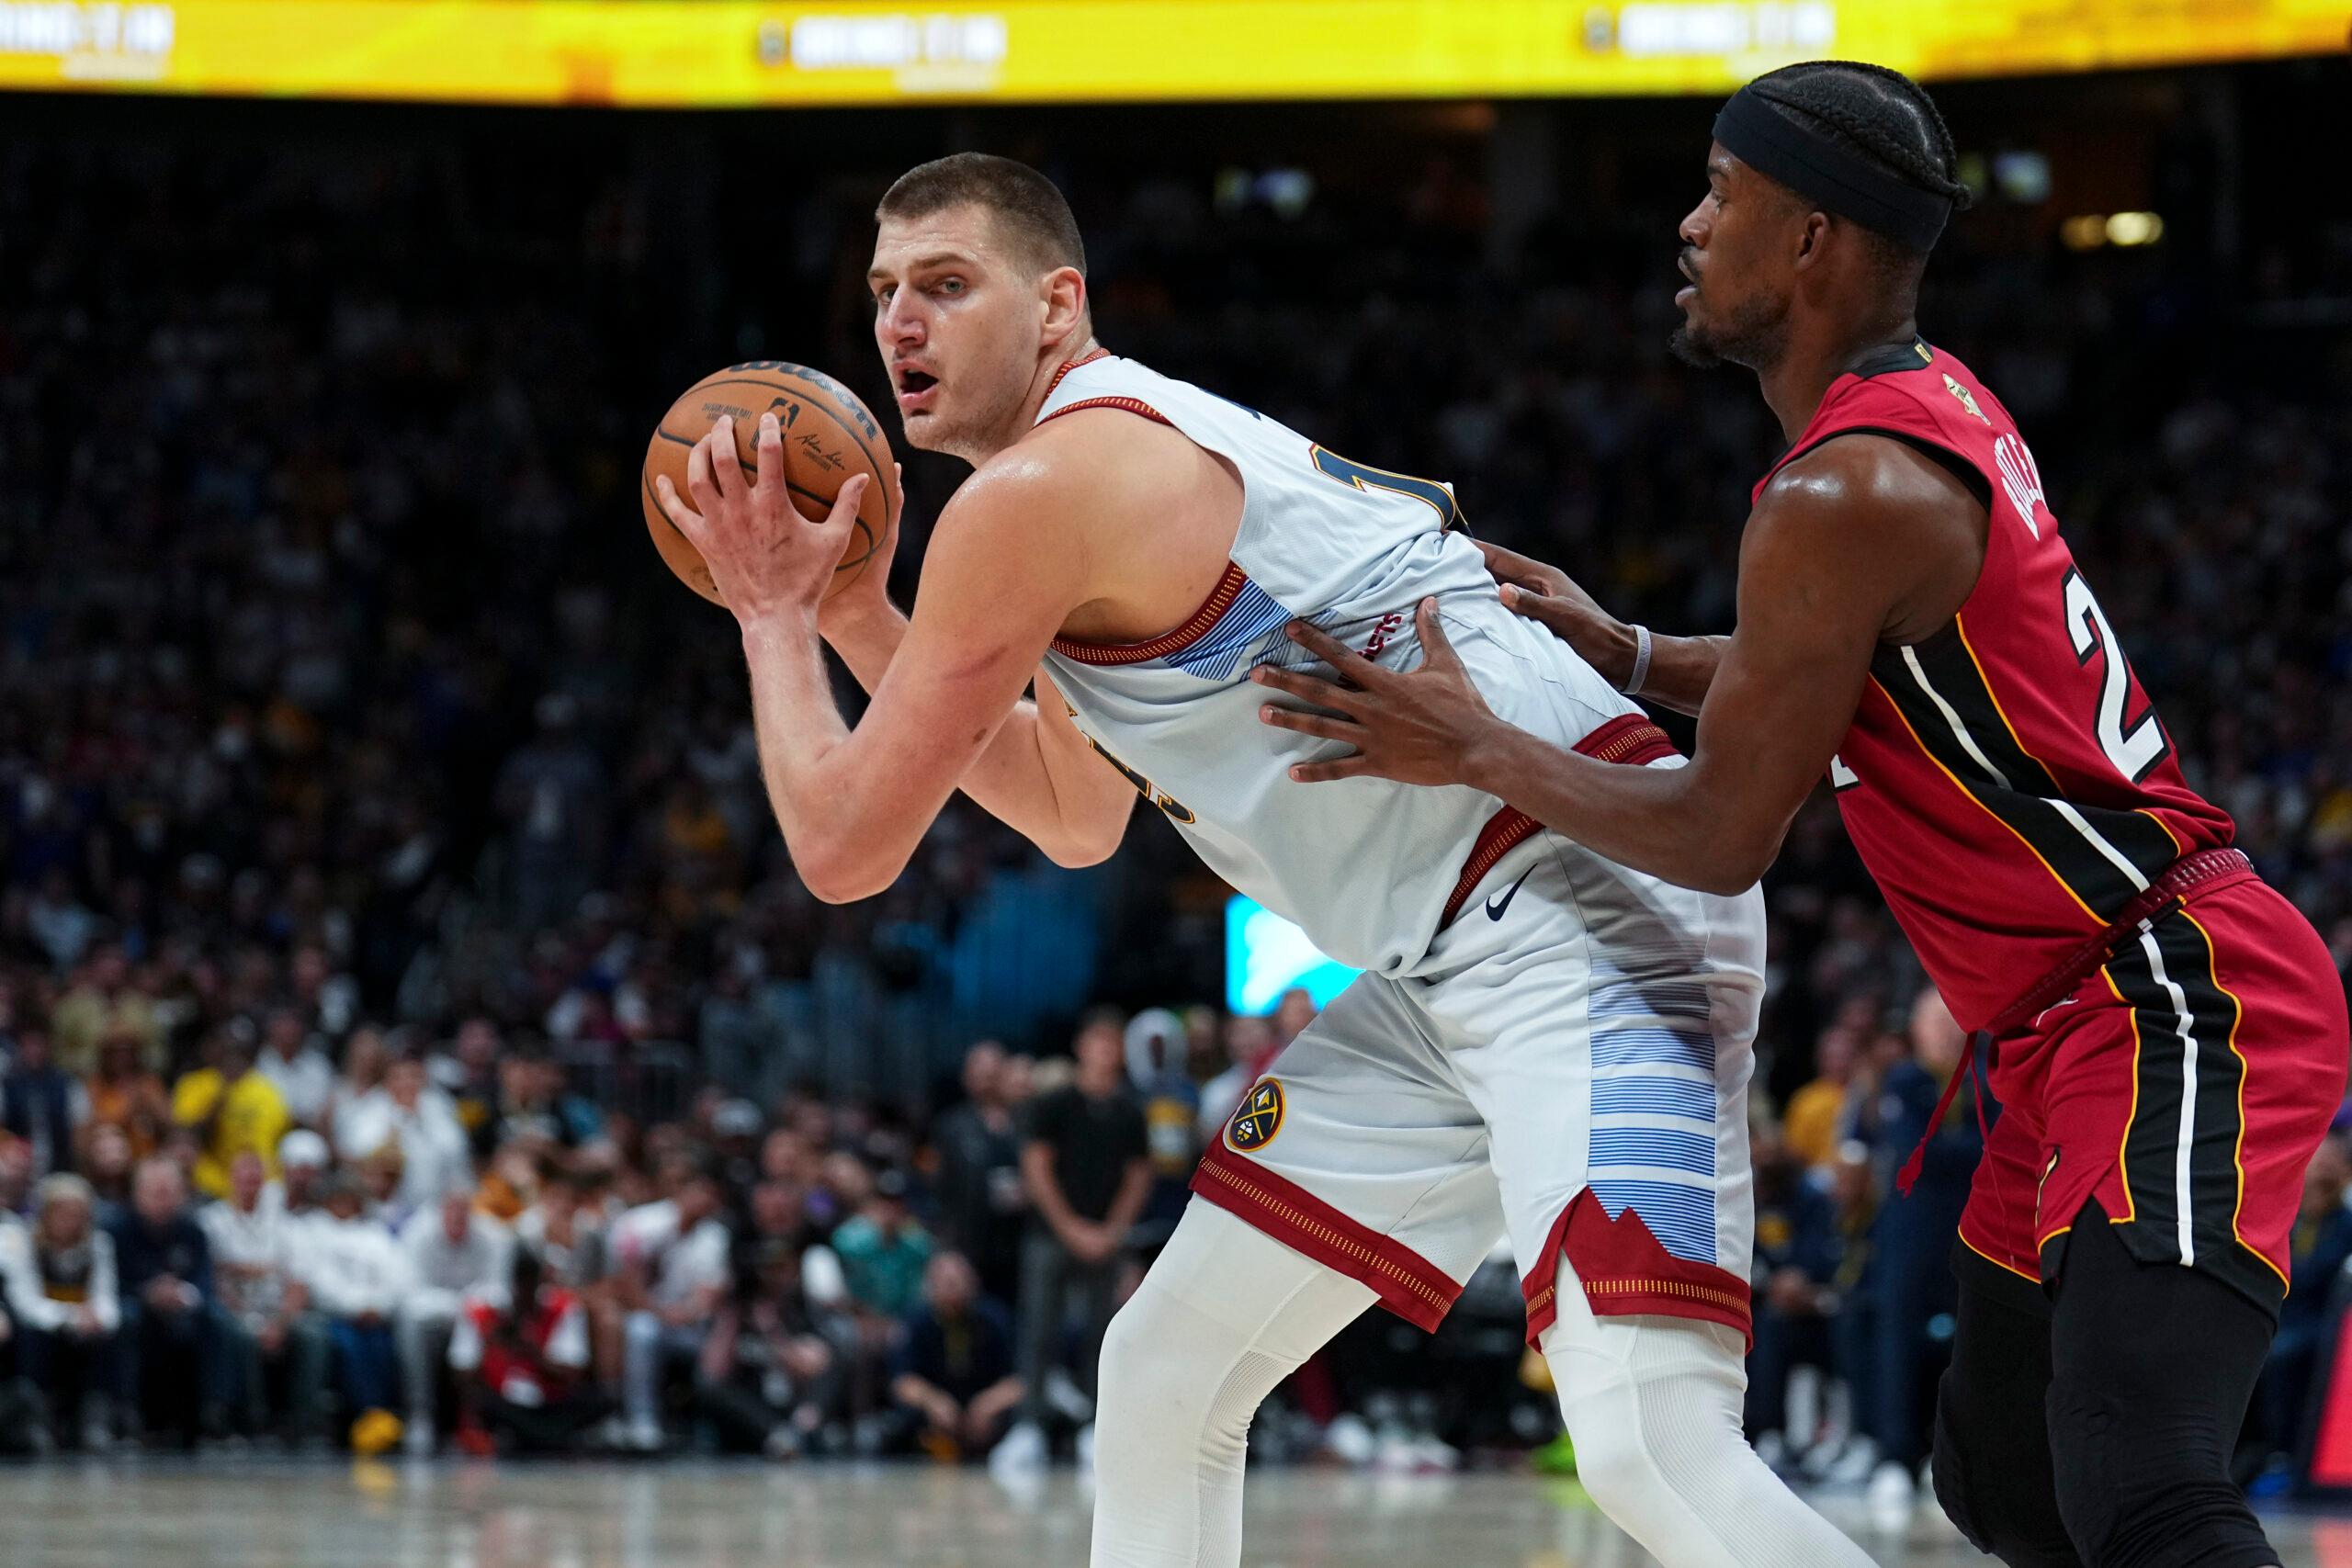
column 829, row 435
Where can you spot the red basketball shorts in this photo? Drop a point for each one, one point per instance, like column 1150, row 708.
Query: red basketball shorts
column 2184, row 1085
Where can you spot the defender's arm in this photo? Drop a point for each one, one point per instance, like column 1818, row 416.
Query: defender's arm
column 1841, row 545
column 1846, row 546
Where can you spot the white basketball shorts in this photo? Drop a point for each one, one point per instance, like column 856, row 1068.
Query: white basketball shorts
column 1568, row 1065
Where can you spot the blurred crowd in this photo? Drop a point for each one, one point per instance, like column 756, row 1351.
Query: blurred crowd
column 411, row 1028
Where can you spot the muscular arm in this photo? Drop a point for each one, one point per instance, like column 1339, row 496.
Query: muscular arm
column 1038, row 775
column 1006, row 566
column 1861, row 541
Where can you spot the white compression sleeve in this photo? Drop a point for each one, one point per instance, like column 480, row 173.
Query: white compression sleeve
column 1652, row 1404
column 1225, row 1314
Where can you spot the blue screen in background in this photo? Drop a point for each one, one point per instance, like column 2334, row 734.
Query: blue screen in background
column 1266, row 955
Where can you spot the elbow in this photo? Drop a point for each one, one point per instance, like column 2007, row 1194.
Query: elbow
column 1736, row 867
column 1077, row 854
column 836, row 874
column 1091, row 843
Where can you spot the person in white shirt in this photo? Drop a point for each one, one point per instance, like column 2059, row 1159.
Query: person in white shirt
column 58, row 1277
column 408, row 1111
column 303, row 1077
column 264, row 1320
column 356, row 1274
column 454, row 1254
column 671, row 1271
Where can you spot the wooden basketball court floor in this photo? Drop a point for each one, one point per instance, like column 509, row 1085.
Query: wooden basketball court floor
column 267, row 1513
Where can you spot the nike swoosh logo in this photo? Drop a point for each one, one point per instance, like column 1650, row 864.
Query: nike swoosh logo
column 1501, row 901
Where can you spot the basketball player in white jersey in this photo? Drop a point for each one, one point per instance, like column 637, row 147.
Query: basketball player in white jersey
column 1547, row 1046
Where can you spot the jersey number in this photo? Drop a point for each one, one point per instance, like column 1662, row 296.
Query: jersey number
column 2134, row 748
column 1361, row 476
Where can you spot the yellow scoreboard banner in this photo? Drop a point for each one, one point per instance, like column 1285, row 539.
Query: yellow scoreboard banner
column 672, row 52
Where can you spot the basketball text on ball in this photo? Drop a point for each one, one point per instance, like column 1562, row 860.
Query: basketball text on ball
column 829, row 436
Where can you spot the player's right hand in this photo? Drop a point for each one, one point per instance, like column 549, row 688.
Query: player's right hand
column 1547, row 596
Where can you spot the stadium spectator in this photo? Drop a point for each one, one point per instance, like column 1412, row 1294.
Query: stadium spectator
column 523, row 1354
column 772, row 1375
column 124, row 1095
column 1249, row 1049
column 671, row 1274
column 265, row 1334
column 105, row 1002
column 15, row 1175
column 169, row 1372
column 366, row 1055
column 356, row 1274
column 60, row 1283
column 300, row 1070
column 454, row 1254
column 410, row 1116
column 40, row 1103
column 1798, row 1249
column 2323, row 1246
column 231, row 1108
column 1157, row 1063
column 1087, row 1166
column 981, row 1189
column 1812, row 1123
column 954, row 1379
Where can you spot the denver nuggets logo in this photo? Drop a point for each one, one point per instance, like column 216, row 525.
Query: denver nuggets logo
column 1967, row 398
column 1260, row 1118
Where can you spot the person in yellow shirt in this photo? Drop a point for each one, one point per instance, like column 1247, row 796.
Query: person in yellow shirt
column 1810, row 1125
column 232, row 1108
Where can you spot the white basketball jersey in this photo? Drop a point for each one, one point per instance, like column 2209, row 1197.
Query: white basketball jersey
column 1364, row 866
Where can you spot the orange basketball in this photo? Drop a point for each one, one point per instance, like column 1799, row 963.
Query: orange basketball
column 829, row 435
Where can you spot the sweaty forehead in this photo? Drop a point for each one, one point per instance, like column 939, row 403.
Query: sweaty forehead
column 967, row 233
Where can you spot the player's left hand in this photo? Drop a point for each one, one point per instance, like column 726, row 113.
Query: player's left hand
column 1415, row 727
column 764, row 557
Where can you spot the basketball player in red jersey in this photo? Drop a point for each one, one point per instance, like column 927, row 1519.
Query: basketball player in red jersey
column 2169, row 1036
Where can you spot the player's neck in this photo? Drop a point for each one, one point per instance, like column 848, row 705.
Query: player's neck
column 1817, row 354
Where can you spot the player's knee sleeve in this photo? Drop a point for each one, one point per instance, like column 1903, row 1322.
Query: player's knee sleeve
column 2001, row 1506
column 1223, row 1315
column 2154, row 1365
column 1654, row 1407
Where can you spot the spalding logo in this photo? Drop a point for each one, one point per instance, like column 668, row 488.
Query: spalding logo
column 1260, row 1117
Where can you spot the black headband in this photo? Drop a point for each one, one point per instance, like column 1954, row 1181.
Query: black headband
column 1826, row 171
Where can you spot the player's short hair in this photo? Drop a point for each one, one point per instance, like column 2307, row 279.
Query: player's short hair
column 1882, row 114
column 1030, row 212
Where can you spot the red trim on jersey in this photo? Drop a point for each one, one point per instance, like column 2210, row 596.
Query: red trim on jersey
column 1624, row 1271
column 1196, row 626
column 1629, row 739
column 1133, row 405
column 1070, row 365
column 1407, row 1284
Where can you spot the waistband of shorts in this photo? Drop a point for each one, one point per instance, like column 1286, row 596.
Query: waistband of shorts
column 1630, row 739
column 2191, row 876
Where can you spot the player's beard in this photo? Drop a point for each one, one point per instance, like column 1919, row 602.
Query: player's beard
column 982, row 422
column 1753, row 334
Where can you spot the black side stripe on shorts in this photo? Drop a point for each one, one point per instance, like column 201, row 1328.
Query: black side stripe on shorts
column 2180, row 1154
column 2094, row 851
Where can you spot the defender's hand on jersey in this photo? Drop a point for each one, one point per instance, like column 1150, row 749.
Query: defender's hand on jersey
column 1547, row 596
column 763, row 555
column 1417, row 727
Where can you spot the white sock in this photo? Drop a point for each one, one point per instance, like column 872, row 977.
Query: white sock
column 1225, row 1314
column 1654, row 1407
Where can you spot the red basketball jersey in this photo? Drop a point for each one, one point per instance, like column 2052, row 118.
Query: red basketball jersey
column 2007, row 780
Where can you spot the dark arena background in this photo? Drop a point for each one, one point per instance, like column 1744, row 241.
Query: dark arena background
column 389, row 893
